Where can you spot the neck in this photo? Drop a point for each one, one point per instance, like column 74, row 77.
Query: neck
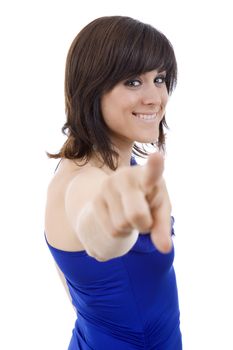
column 124, row 149
column 123, row 160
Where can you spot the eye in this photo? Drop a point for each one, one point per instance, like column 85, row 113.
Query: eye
column 160, row 80
column 133, row 83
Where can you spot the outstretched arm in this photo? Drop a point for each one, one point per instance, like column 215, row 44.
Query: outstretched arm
column 108, row 211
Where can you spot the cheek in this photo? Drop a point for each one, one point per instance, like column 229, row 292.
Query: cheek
column 105, row 105
column 116, row 104
column 109, row 111
column 165, row 97
column 109, row 102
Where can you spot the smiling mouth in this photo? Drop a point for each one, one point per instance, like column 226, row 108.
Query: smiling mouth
column 145, row 116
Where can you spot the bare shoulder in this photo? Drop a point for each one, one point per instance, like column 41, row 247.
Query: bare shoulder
column 81, row 190
column 70, row 188
column 84, row 184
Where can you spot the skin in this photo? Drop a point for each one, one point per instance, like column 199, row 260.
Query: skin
column 147, row 94
column 100, row 210
column 133, row 200
column 129, row 200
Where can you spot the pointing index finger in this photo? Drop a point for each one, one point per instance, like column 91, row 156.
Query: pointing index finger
column 153, row 171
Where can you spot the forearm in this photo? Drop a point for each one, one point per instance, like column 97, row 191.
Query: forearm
column 98, row 243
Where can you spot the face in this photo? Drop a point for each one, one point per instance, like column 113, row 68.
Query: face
column 134, row 108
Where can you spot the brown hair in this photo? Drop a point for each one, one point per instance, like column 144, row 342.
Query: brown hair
column 105, row 52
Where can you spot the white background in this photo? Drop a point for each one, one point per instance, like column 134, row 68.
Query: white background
column 35, row 36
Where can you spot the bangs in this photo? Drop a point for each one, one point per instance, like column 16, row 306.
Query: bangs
column 143, row 49
column 104, row 53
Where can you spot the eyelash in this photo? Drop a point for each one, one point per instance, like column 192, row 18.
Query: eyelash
column 130, row 81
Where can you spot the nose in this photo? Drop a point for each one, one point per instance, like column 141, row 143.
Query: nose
column 152, row 96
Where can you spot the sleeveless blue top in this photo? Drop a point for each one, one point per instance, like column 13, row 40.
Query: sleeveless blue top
column 126, row 303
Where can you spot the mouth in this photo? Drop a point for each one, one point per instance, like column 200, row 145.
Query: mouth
column 145, row 117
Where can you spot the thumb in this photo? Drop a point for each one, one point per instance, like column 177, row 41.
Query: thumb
column 152, row 172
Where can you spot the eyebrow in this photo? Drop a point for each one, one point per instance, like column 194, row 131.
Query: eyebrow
column 163, row 72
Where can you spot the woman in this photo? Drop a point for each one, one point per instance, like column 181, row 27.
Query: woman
column 119, row 74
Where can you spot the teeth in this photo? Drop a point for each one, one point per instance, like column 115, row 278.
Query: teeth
column 145, row 116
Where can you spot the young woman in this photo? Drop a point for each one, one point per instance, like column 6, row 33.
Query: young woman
column 108, row 222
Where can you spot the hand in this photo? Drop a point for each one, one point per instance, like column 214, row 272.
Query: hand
column 136, row 198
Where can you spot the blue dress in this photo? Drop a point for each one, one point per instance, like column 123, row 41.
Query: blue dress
column 125, row 303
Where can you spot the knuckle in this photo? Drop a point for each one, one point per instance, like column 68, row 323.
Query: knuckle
column 136, row 216
column 122, row 226
column 113, row 232
column 118, row 230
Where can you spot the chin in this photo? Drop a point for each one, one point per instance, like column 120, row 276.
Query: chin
column 147, row 139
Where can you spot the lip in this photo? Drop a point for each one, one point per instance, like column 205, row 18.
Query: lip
column 147, row 113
